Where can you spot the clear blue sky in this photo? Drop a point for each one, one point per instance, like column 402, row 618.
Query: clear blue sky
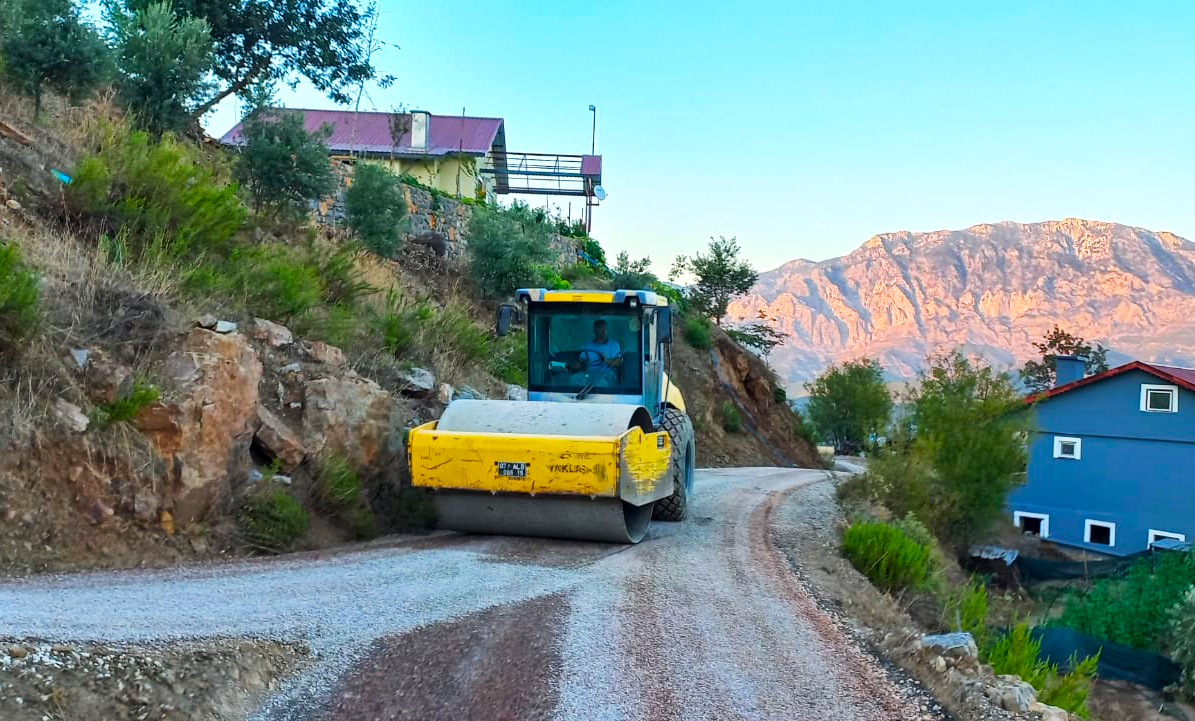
column 805, row 128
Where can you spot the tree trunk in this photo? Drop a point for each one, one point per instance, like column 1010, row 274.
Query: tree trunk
column 236, row 87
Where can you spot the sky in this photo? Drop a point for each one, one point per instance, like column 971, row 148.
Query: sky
column 802, row 128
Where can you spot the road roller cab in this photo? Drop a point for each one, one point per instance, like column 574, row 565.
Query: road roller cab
column 601, row 446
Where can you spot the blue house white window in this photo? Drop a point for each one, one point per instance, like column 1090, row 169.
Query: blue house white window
column 1037, row 524
column 1155, row 536
column 1159, row 398
column 1068, row 447
column 1099, row 533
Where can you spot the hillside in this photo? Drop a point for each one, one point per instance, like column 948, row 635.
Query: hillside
column 161, row 404
column 991, row 289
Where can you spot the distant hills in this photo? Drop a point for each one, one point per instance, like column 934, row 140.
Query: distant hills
column 990, row 289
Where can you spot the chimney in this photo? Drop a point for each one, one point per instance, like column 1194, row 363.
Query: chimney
column 1068, row 369
column 420, row 120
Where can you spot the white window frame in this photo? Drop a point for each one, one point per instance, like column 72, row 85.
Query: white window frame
column 1147, row 388
column 1059, row 440
column 1156, row 535
column 1043, row 517
column 1089, row 524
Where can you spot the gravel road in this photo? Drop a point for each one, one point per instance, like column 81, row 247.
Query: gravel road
column 703, row 620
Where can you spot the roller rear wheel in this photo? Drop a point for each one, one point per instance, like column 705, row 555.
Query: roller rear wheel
column 680, row 430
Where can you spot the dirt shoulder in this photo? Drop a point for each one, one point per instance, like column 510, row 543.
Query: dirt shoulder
column 805, row 529
column 185, row 681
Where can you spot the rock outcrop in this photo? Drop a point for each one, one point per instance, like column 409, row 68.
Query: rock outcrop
column 351, row 417
column 205, row 425
column 990, row 289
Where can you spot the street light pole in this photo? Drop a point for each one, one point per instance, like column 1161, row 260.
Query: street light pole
column 588, row 185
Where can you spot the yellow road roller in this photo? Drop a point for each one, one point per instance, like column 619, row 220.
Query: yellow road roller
column 601, row 446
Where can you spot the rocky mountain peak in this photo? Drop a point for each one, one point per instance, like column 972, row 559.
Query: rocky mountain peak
column 992, row 289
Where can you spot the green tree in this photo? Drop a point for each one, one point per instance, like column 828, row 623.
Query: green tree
column 1039, row 375
column 849, row 402
column 970, row 429
column 322, row 41
column 48, row 47
column 282, row 164
column 163, row 63
column 505, row 246
column 631, row 274
column 720, row 275
column 375, row 205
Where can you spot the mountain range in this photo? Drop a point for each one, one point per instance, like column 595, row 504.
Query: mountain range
column 989, row 289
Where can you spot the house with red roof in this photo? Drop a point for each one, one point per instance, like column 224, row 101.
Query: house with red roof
column 452, row 153
column 1112, row 459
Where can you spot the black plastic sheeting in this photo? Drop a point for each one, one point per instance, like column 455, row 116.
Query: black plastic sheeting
column 1033, row 570
column 1060, row 645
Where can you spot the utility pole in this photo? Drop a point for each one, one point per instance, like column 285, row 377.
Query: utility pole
column 588, row 187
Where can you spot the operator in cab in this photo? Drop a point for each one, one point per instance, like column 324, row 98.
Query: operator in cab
column 600, row 356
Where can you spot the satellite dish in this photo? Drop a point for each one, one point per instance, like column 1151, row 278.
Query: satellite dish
column 599, row 192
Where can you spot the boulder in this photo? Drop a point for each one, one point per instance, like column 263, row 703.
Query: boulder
column 225, row 326
column 321, row 352
column 105, row 380
column 207, row 320
column 1049, row 713
column 418, row 382
column 204, row 435
column 1012, row 694
column 952, row 645
column 515, row 393
column 468, row 392
column 271, row 333
column 71, row 415
column 278, row 439
column 349, row 416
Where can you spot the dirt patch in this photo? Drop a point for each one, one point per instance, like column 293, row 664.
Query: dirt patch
column 500, row 664
column 191, row 681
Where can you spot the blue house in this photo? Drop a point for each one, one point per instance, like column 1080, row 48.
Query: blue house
column 1112, row 459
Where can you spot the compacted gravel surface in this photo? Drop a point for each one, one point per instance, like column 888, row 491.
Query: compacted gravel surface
column 703, row 620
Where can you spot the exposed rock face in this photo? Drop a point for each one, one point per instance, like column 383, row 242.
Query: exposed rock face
column 349, row 416
column 991, row 289
column 279, row 440
column 204, row 434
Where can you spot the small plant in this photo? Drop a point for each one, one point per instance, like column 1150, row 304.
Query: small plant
column 1182, row 635
column 890, row 559
column 697, row 332
column 19, row 314
column 966, row 609
column 374, row 205
column 273, row 523
column 550, row 279
column 1069, row 691
column 337, row 484
column 141, row 395
column 1018, row 653
column 732, row 422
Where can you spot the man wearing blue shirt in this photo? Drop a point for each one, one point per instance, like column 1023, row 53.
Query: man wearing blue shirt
column 602, row 355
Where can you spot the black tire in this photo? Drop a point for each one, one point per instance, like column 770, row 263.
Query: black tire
column 680, row 431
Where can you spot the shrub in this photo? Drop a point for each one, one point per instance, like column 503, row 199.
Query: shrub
column 374, row 205
column 505, row 246
column 162, row 197
column 342, row 282
column 19, row 315
column 697, row 332
column 282, row 165
column 1182, row 634
column 453, row 332
column 273, row 523
column 337, row 484
column 280, row 283
column 1126, row 610
column 508, row 360
column 732, row 422
column 631, row 274
column 550, row 279
column 779, row 394
column 1017, row 653
column 890, row 559
column 142, row 395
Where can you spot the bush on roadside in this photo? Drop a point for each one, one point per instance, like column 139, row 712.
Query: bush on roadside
column 125, row 408
column 1182, row 634
column 1018, row 653
column 891, row 560
column 163, row 200
column 374, row 205
column 732, row 421
column 697, row 332
column 337, row 484
column 19, row 315
column 273, row 523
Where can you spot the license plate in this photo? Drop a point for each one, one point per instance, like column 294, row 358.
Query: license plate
column 512, row 469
